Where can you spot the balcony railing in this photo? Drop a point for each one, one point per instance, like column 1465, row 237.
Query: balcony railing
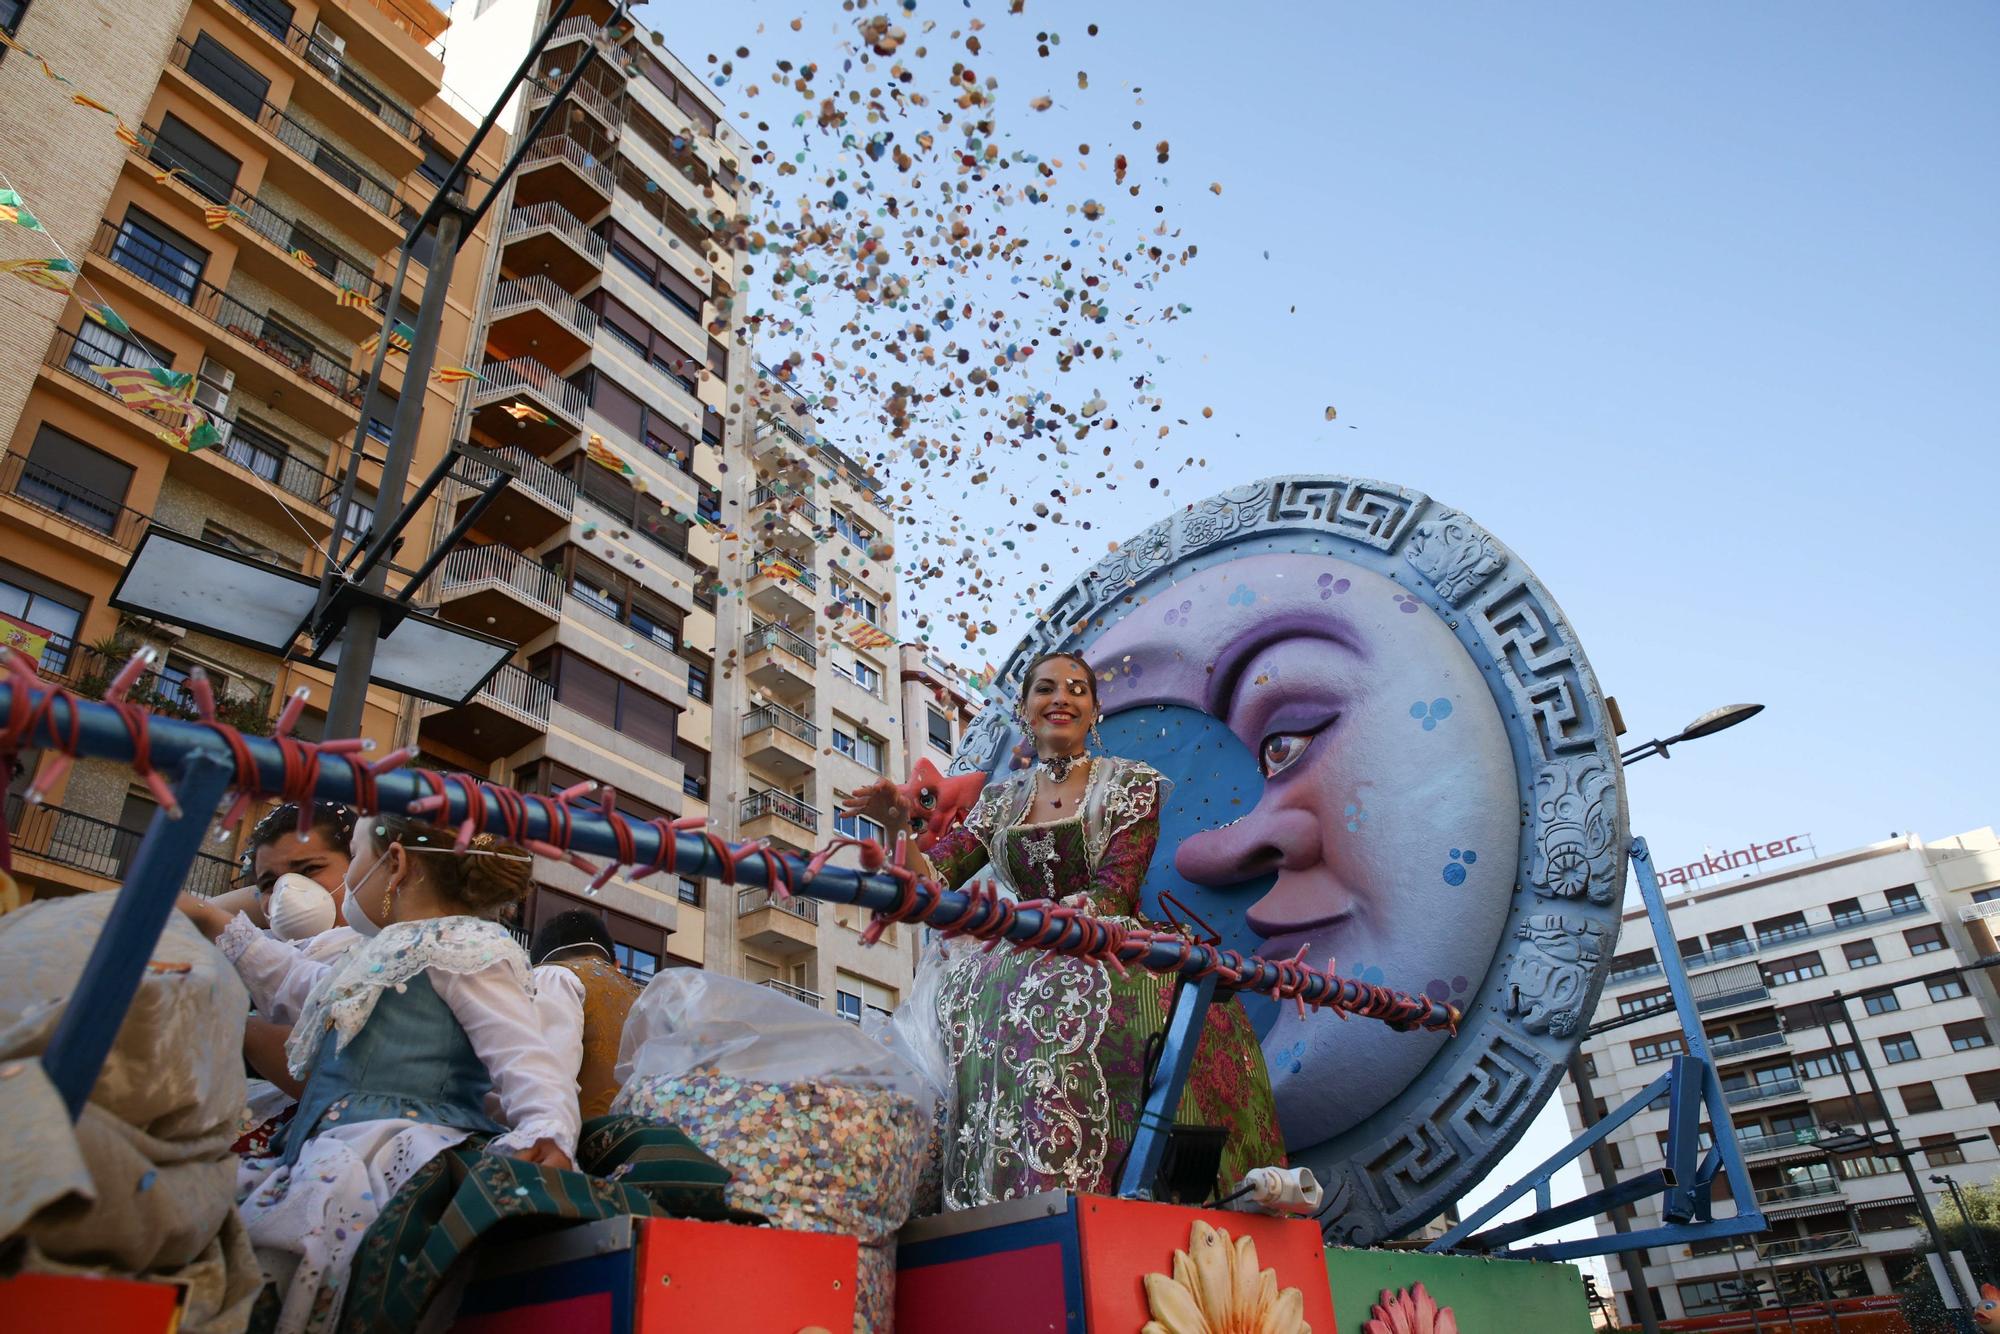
column 308, row 361
column 557, row 218
column 530, row 474
column 1773, row 1088
column 756, row 900
column 767, row 494
column 1973, row 912
column 497, row 563
column 543, row 87
column 641, row 511
column 1787, row 1247
column 550, row 147
column 1774, row 1141
column 70, row 501
column 503, row 379
column 338, row 266
column 759, row 804
column 520, row 693
column 537, row 290
column 799, row 994
column 778, row 637
column 331, row 64
column 1723, row 1051
column 1791, row 935
column 86, row 843
column 1631, row 974
column 779, row 565
column 771, row 715
column 1810, row 1189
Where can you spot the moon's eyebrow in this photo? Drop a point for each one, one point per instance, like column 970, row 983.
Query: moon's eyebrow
column 1239, row 653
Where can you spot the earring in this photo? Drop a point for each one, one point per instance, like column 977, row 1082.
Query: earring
column 1098, row 737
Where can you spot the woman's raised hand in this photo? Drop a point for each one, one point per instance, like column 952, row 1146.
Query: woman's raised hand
column 208, row 918
column 880, row 801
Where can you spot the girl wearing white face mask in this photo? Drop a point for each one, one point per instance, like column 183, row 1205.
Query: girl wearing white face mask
column 399, row 1045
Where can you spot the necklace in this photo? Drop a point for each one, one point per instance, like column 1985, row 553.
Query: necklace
column 1058, row 768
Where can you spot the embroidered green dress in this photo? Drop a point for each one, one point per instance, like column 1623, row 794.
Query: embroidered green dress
column 1049, row 1053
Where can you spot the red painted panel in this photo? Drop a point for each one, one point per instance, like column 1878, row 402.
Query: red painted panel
column 586, row 1313
column 1008, row 1292
column 73, row 1301
column 720, row 1276
column 1125, row 1240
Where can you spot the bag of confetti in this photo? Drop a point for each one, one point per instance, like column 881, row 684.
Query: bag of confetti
column 912, row 1032
column 824, row 1127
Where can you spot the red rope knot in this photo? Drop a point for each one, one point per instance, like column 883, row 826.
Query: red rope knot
column 621, row 834
column 138, row 725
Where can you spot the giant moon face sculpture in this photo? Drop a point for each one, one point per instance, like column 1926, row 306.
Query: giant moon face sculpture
column 1388, row 751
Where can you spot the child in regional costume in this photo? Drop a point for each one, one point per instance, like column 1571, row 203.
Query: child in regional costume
column 423, row 1035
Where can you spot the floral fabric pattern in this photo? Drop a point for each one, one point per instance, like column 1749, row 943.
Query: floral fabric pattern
column 1049, row 1053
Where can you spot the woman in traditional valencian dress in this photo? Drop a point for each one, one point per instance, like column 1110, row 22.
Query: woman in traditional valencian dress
column 1049, row 1053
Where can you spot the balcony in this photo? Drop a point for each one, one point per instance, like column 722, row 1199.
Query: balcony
column 550, row 240
column 47, row 492
column 1798, row 1192
column 1791, row 935
column 526, row 381
column 1778, row 1141
column 1620, row 976
column 533, row 312
column 799, row 994
column 1735, row 1048
column 336, row 89
column 1787, row 1087
column 1977, row 912
column 533, row 507
column 639, row 513
column 498, row 590
column 98, row 848
column 780, row 742
column 785, row 521
column 780, row 588
column 780, row 662
column 332, row 267
column 788, row 822
column 1787, row 1248
column 779, row 444
column 511, row 710
column 542, row 86
column 785, row 926
column 559, row 170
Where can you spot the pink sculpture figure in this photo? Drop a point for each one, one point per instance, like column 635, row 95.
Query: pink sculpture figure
column 937, row 803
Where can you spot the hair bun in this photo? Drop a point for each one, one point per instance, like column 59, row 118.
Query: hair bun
column 496, row 874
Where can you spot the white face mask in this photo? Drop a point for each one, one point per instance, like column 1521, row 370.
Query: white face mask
column 300, row 907
column 357, row 910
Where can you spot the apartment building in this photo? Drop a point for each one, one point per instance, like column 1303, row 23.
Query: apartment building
column 1892, row 930
column 244, row 229
column 939, row 703
column 677, row 531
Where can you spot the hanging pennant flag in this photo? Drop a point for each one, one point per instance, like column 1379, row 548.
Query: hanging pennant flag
column 399, row 339
column 91, row 102
column 109, row 318
column 41, row 272
column 779, row 566
column 307, row 260
column 128, row 136
column 349, row 299
column 49, row 70
column 149, row 386
column 863, row 635
column 456, row 375
column 522, row 412
column 216, row 215
column 606, row 457
column 12, row 210
column 165, row 177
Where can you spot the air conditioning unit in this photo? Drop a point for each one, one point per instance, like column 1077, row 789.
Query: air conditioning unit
column 215, row 373
column 212, row 398
column 328, row 49
column 222, row 430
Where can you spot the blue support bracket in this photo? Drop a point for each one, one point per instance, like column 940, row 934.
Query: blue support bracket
column 1163, row 1095
column 110, row 979
column 1685, row 1182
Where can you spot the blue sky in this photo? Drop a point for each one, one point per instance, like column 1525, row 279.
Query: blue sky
column 1693, row 306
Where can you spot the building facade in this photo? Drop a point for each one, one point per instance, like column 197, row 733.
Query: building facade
column 1890, row 930
column 678, row 532
column 237, row 204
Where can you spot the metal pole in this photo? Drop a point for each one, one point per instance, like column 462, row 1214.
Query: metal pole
column 1971, row 1228
column 1839, row 1003
column 1743, row 1290
column 1600, row 1162
column 364, row 622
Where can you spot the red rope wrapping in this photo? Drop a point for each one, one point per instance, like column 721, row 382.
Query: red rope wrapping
column 669, row 847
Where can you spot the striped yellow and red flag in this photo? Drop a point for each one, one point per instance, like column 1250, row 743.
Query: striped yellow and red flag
column 149, row 386
column 863, row 635
column 84, row 100
column 216, row 215
column 349, row 299
column 455, row 374
column 523, row 412
column 604, row 456
column 307, row 260
column 128, row 136
column 41, row 272
column 778, row 565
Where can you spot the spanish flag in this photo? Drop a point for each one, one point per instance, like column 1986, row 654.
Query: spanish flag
column 522, row 412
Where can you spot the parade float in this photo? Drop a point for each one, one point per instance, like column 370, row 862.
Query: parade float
column 1397, row 831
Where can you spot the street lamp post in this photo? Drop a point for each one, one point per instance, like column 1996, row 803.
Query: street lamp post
column 1950, row 1182
column 1715, row 720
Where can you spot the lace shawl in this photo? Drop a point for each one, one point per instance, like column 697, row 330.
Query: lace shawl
column 1119, row 794
column 345, row 997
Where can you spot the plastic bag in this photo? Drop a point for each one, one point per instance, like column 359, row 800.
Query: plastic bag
column 823, row 1126
column 912, row 1032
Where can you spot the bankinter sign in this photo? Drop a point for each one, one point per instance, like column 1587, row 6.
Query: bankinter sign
column 1717, row 863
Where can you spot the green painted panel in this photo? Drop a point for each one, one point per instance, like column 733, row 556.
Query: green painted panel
column 1486, row 1296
